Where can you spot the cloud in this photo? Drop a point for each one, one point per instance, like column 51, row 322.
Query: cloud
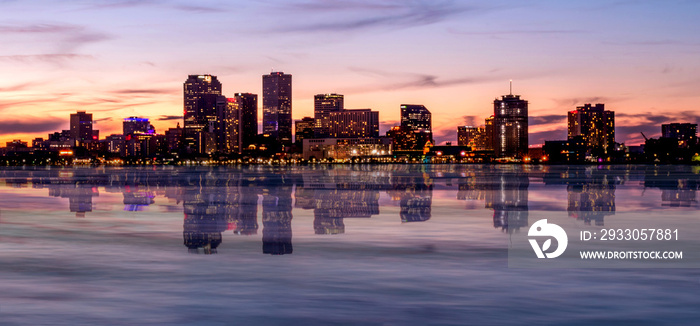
column 391, row 81
column 496, row 34
column 17, row 87
column 54, row 58
column 363, row 15
column 145, row 91
column 66, row 37
column 473, row 120
column 572, row 102
column 546, row 119
column 103, row 119
column 538, row 138
column 169, row 117
column 14, row 126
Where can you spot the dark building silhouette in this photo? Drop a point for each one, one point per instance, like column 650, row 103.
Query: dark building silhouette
column 684, row 133
column 277, row 107
column 595, row 124
column 201, row 94
column 81, row 127
column 324, row 104
column 417, row 119
column 248, row 104
column 510, row 126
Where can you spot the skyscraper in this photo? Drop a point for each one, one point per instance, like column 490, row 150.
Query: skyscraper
column 248, row 104
column 510, row 126
column 417, row 119
column 81, row 127
column 229, row 128
column 324, row 104
column 595, row 124
column 199, row 112
column 277, row 107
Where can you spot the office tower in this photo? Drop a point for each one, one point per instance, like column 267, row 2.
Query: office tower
column 417, row 119
column 324, row 104
column 595, row 124
column 510, row 126
column 199, row 112
column 362, row 123
column 303, row 129
column 81, row 127
column 277, row 107
column 228, row 127
column 685, row 133
column 133, row 125
column 248, row 105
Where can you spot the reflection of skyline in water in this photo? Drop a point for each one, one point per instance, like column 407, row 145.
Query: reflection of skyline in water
column 218, row 200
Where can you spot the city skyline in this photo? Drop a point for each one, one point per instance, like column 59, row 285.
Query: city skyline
column 450, row 56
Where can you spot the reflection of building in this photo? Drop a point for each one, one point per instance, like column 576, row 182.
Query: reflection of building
column 595, row 124
column 205, row 208
column 277, row 217
column 277, row 107
column 591, row 201
column 79, row 196
column 136, row 199
column 509, row 200
column 510, row 126
column 346, row 148
column 677, row 191
column 415, row 195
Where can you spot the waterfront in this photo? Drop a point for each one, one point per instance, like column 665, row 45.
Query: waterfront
column 327, row 244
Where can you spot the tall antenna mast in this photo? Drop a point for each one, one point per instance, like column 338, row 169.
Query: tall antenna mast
column 511, row 87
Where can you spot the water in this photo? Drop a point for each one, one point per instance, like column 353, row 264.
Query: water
column 375, row 245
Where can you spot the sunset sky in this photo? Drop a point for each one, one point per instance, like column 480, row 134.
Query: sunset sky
column 130, row 58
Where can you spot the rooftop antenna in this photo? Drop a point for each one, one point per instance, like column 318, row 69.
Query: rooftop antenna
column 511, row 87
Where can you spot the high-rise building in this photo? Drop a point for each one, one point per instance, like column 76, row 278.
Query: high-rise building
column 81, row 127
column 510, row 126
column 685, row 133
column 199, row 112
column 417, row 119
column 595, row 124
column 324, row 104
column 362, row 123
column 277, row 107
column 228, row 128
column 303, row 129
column 248, row 105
